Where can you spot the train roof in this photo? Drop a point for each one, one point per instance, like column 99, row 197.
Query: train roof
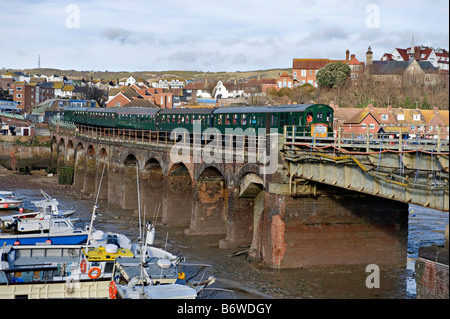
column 76, row 108
column 263, row 109
column 205, row 110
column 137, row 110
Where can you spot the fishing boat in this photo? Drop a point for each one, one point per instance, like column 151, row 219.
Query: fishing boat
column 8, row 200
column 36, row 220
column 78, row 271
column 32, row 231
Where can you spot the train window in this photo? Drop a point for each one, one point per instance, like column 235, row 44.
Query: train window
column 163, row 120
column 329, row 117
column 319, row 116
column 227, row 120
column 187, row 119
column 244, row 119
column 235, row 119
column 220, row 119
column 309, row 117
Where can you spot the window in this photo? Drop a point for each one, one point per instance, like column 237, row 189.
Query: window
column 19, row 88
column 400, row 117
column 319, row 116
column 372, row 126
column 244, row 119
column 310, row 72
column 19, row 95
column 363, row 126
column 416, row 117
column 384, row 117
column 303, row 72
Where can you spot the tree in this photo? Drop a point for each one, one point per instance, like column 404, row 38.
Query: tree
column 333, row 75
column 91, row 92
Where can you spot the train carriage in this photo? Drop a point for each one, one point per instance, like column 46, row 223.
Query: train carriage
column 170, row 119
column 137, row 118
column 304, row 116
column 75, row 115
column 102, row 117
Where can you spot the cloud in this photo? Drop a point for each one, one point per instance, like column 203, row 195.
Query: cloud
column 328, row 34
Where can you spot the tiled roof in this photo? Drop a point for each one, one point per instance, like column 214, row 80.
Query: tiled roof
column 314, row 64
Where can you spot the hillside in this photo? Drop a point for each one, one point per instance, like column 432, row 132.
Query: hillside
column 155, row 75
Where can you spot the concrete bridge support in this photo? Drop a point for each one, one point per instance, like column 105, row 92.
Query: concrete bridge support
column 331, row 230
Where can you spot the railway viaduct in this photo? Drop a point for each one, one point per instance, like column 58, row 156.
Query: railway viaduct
column 317, row 224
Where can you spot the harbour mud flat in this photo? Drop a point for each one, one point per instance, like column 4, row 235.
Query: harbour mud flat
column 236, row 276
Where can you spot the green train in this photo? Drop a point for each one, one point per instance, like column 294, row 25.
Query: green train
column 310, row 118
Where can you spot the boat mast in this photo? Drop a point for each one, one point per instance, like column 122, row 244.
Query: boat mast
column 93, row 211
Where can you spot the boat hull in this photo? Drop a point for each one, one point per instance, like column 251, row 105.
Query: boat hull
column 55, row 290
column 74, row 239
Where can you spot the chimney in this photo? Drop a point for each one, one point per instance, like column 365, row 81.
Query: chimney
column 417, row 53
column 352, row 57
column 347, row 53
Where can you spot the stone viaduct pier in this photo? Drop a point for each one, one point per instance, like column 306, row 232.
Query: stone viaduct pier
column 289, row 218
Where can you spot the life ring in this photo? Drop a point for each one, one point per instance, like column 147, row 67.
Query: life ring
column 97, row 272
column 83, row 266
column 112, row 290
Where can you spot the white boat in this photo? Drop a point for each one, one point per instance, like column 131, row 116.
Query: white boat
column 38, row 220
column 8, row 200
column 77, row 271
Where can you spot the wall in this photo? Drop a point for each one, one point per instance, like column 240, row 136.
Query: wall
column 432, row 275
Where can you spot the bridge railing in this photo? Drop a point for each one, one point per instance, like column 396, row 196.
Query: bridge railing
column 372, row 137
column 240, row 147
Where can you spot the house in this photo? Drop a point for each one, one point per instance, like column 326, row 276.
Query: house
column 57, row 86
column 226, row 90
column 413, row 123
column 285, row 81
column 398, row 73
column 305, row 70
column 66, row 91
column 122, row 96
column 197, row 90
column 439, row 58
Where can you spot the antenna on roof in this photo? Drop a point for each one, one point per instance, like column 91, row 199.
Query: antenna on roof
column 39, row 61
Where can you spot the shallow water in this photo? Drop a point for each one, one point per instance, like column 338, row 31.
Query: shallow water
column 236, row 277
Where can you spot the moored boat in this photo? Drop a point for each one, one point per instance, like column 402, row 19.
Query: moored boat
column 8, row 200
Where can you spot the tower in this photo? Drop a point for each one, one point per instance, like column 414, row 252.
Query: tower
column 39, row 61
column 369, row 56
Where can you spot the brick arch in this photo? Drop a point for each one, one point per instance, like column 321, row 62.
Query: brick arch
column 208, row 166
column 210, row 201
column 244, row 170
column 189, row 167
column 102, row 178
column 177, row 205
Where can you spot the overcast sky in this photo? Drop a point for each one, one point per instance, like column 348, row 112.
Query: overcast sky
column 210, row 35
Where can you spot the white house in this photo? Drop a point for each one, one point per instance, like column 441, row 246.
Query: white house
column 227, row 90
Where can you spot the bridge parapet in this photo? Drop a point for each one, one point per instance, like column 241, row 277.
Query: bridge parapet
column 412, row 171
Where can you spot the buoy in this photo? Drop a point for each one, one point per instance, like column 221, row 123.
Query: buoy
column 94, row 273
column 6, row 205
column 16, row 243
column 112, row 290
column 21, row 209
column 48, row 241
